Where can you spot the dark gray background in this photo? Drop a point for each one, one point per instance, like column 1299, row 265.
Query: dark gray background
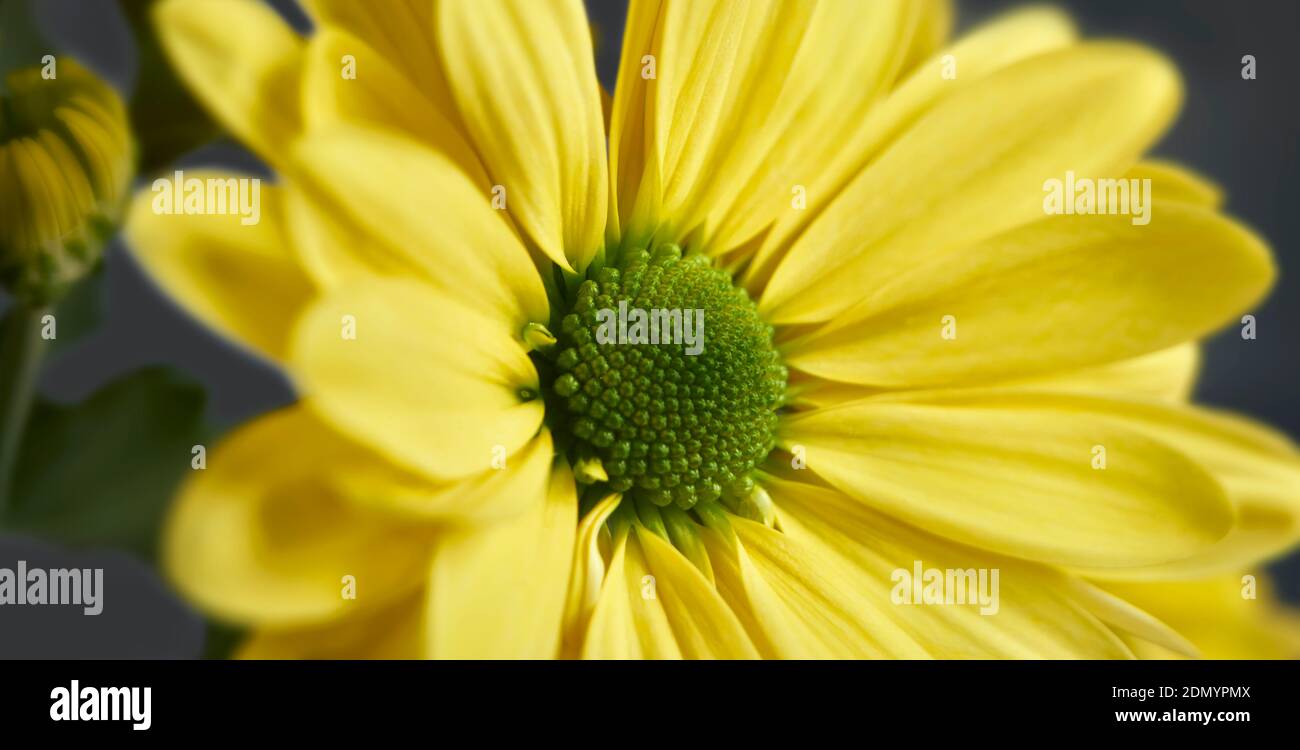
column 1240, row 133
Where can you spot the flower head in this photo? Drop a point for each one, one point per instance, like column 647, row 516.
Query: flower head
column 66, row 159
column 906, row 365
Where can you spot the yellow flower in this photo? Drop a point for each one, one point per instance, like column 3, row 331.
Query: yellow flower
column 66, row 158
column 973, row 385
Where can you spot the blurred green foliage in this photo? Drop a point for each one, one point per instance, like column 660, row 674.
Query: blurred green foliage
column 166, row 119
column 103, row 472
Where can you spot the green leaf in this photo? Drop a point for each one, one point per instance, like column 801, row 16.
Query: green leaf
column 104, row 471
column 168, row 122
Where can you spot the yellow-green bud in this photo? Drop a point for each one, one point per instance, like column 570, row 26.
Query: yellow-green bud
column 66, row 162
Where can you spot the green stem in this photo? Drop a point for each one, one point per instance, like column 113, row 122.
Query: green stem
column 21, row 351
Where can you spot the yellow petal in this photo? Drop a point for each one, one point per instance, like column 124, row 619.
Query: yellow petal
column 973, row 167
column 331, row 247
column 1066, row 291
column 245, row 68
column 629, row 151
column 1176, row 183
column 390, row 631
column 703, row 626
column 799, row 600
column 36, row 193
column 1016, row 36
column 1169, row 374
column 683, row 66
column 379, row 96
column 498, row 592
column 844, row 62
column 524, row 78
column 78, row 200
column 99, row 130
column 1124, row 616
column 629, row 621
column 263, row 535
column 403, row 31
column 736, row 122
column 504, row 491
column 931, row 30
column 240, row 279
column 1258, row 468
column 1261, row 533
column 434, row 384
column 1001, row 476
column 684, row 533
column 809, row 390
column 65, row 185
column 654, row 604
column 994, row 607
column 457, row 242
column 1226, row 617
column 589, row 565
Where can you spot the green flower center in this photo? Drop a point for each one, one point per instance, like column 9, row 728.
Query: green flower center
column 664, row 382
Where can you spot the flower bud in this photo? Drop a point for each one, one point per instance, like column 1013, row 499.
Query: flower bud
column 66, row 161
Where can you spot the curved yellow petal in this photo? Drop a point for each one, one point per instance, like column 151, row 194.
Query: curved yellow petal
column 994, row 607
column 59, row 165
column 1016, row 36
column 246, row 69
column 401, row 30
column 1173, row 182
column 380, row 95
column 1225, row 617
column 799, row 599
column 629, row 621
column 1126, row 617
column 390, row 631
column 331, row 247
column 844, row 62
column 241, row 279
column 654, row 604
column 973, row 167
column 1169, row 374
column 589, row 565
column 1007, row 477
column 422, row 217
column 1067, row 291
column 703, row 626
column 509, row 488
column 737, row 123
column 806, row 391
column 1258, row 468
column 264, row 536
column 1262, row 532
column 931, row 31
column 629, row 150
column 683, row 67
column 498, row 592
column 1240, row 452
column 524, row 78
column 438, row 386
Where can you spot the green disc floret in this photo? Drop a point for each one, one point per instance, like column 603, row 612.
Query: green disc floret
column 679, row 421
